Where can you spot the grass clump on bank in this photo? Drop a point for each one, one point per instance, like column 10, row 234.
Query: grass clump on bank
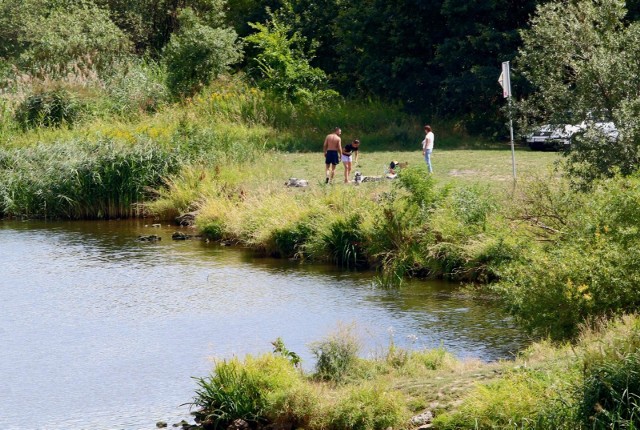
column 590, row 384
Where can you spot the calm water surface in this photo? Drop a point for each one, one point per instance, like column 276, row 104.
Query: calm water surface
column 100, row 331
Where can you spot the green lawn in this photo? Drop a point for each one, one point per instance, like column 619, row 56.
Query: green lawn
column 491, row 167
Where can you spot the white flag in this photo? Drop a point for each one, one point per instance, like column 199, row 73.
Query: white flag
column 505, row 80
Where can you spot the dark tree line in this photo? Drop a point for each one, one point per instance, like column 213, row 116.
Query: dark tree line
column 438, row 57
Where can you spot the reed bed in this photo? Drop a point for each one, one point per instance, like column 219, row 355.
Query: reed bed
column 81, row 180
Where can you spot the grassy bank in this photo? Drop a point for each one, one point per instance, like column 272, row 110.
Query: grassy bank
column 450, row 224
column 227, row 123
column 593, row 383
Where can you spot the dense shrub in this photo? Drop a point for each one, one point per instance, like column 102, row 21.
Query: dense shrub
column 244, row 390
column 290, row 241
column 344, row 242
column 336, row 355
column 49, row 108
column 55, row 35
column 198, row 53
column 403, row 235
column 590, row 266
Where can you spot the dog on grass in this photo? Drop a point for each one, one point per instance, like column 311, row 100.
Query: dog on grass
column 359, row 178
column 295, row 182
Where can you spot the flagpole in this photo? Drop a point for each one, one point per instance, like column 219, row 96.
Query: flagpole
column 513, row 149
column 505, row 82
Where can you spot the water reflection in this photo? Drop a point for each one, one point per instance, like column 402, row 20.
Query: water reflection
column 101, row 331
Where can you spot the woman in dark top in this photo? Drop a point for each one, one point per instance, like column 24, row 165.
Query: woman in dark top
column 349, row 152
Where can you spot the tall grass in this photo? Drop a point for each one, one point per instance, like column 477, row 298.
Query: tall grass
column 610, row 394
column 302, row 127
column 336, row 355
column 248, row 390
column 80, row 180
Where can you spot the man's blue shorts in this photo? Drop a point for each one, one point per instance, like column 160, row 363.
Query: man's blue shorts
column 331, row 157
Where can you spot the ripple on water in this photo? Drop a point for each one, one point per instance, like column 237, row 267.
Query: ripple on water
column 105, row 332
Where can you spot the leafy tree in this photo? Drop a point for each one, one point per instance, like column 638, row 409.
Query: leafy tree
column 316, row 21
column 53, row 33
column 387, row 48
column 483, row 33
column 282, row 66
column 198, row 53
column 582, row 58
column 150, row 23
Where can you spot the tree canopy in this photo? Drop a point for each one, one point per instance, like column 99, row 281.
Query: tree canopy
column 438, row 58
column 583, row 59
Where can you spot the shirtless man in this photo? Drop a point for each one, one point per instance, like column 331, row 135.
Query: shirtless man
column 332, row 153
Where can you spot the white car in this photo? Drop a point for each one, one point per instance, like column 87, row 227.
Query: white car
column 606, row 129
column 551, row 137
column 558, row 137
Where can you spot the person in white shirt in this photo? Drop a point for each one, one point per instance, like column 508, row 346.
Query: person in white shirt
column 427, row 146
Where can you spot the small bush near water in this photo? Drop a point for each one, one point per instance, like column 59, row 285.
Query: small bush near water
column 336, row 355
column 246, row 390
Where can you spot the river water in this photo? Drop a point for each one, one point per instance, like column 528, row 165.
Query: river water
column 101, row 331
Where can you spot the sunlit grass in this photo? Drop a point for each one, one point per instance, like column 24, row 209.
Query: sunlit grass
column 541, row 388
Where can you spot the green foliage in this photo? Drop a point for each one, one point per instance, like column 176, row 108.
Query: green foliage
column 344, row 242
column 214, row 230
column 336, row 355
column 577, row 55
column 81, row 180
column 512, row 402
column 421, row 187
column 480, row 36
column 402, row 233
column 49, row 108
column 589, row 269
column 398, row 246
column 243, row 390
column 136, row 86
column 213, row 145
column 290, row 241
column 431, row 359
column 61, row 33
column 198, row 53
column 280, row 348
column 7, row 122
column 473, row 205
column 150, row 23
column 367, row 407
column 283, row 67
column 611, row 393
